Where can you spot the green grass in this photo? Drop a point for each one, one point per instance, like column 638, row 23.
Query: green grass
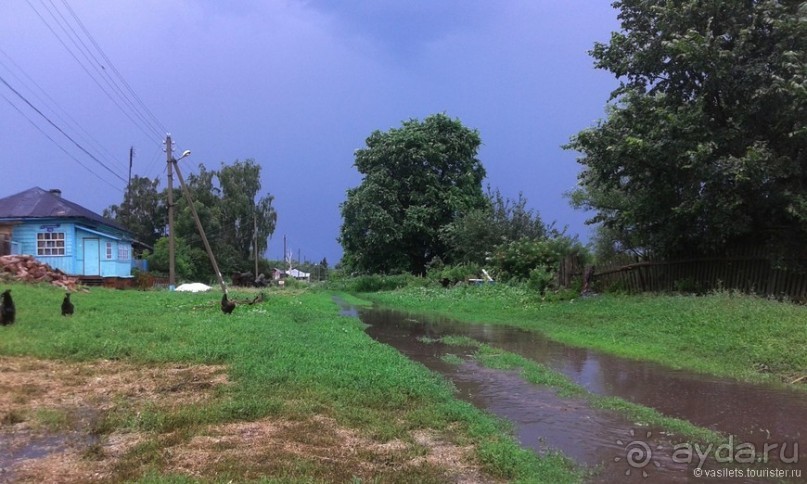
column 724, row 334
column 291, row 357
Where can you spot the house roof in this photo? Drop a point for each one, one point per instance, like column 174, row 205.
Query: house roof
column 38, row 203
column 297, row 273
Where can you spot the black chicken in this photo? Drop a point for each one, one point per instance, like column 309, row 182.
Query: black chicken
column 7, row 310
column 67, row 306
column 227, row 306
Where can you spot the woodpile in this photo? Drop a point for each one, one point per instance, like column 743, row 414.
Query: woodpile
column 25, row 268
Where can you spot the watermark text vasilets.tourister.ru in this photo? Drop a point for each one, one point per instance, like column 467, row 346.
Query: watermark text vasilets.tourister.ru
column 746, row 473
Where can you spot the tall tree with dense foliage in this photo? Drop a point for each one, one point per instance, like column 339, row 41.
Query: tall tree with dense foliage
column 229, row 209
column 244, row 215
column 205, row 194
column 417, row 179
column 142, row 211
column 705, row 142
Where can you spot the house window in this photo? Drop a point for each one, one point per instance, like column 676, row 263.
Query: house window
column 123, row 252
column 50, row 243
column 109, row 250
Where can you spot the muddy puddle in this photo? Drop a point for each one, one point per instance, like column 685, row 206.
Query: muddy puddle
column 764, row 420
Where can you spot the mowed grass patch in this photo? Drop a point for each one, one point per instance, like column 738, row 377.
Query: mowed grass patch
column 291, row 358
column 725, row 334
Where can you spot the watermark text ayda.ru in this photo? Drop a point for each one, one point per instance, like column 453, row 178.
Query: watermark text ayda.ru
column 742, row 453
column 639, row 455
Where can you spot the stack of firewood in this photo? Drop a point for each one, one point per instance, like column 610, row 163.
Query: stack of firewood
column 25, row 268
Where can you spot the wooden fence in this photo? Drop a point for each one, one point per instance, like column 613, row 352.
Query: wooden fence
column 750, row 274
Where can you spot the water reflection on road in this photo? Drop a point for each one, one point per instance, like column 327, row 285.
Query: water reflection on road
column 755, row 414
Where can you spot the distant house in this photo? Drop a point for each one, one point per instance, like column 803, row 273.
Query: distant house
column 299, row 275
column 279, row 274
column 64, row 235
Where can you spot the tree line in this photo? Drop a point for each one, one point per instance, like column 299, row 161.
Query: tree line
column 233, row 216
column 703, row 148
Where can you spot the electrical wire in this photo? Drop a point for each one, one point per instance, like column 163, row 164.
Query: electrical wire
column 78, row 145
column 144, row 127
column 93, row 60
column 58, row 145
column 53, row 105
column 115, row 69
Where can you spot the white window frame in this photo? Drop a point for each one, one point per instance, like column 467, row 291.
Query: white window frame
column 50, row 244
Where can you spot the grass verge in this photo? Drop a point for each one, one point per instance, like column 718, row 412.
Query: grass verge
column 723, row 334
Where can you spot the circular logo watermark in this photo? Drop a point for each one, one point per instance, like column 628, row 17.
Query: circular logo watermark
column 638, row 454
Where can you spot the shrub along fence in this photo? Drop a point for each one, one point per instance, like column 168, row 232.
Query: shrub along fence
column 750, row 273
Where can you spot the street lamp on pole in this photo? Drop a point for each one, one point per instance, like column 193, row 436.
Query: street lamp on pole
column 172, row 281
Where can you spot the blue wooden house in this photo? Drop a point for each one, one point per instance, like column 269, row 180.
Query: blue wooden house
column 64, row 235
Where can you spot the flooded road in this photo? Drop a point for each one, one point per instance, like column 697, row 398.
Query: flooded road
column 765, row 420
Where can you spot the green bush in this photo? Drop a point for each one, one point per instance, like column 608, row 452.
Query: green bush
column 376, row 283
column 515, row 260
column 540, row 279
column 455, row 274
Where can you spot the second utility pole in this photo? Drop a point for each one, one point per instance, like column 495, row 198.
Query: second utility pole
column 172, row 278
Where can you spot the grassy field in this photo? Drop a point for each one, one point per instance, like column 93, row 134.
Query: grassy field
column 163, row 387
column 725, row 334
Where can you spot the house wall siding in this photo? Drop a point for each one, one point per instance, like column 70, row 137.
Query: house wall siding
column 111, row 264
column 26, row 235
column 73, row 261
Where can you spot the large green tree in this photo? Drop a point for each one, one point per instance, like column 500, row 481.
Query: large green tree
column 705, row 142
column 246, row 217
column 206, row 201
column 142, row 211
column 228, row 206
column 417, row 179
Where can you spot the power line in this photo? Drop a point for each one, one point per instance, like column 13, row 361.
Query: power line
column 76, row 39
column 57, row 144
column 61, row 130
column 57, row 110
column 115, row 69
column 144, row 127
column 154, row 159
column 95, row 62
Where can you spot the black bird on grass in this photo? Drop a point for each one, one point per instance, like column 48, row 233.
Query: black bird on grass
column 7, row 310
column 67, row 306
column 227, row 306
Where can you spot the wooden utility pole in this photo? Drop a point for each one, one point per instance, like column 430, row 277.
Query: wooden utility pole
column 129, row 183
column 255, row 241
column 172, row 278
